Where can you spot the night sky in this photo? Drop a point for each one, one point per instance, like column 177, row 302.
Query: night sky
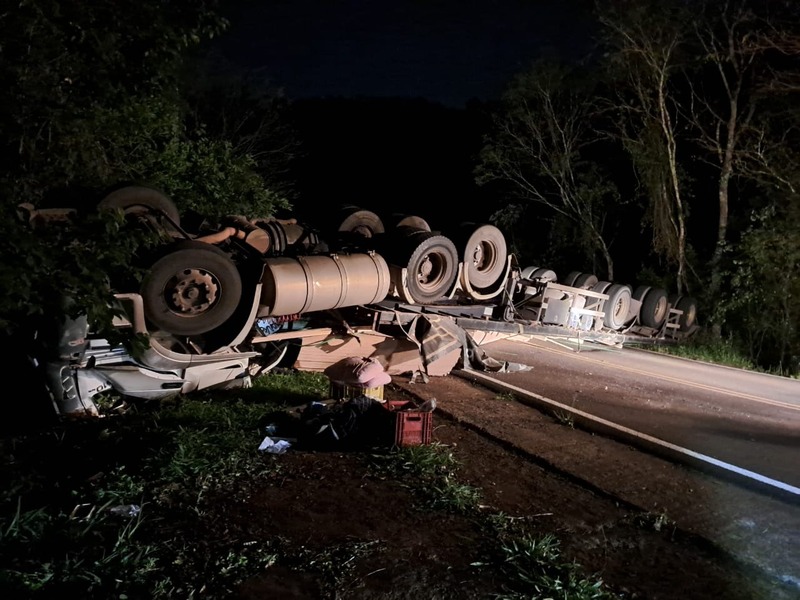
column 381, row 93
column 446, row 51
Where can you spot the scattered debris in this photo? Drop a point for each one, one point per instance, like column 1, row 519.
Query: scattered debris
column 125, row 510
column 272, row 446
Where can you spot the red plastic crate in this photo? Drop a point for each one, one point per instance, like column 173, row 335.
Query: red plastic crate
column 412, row 427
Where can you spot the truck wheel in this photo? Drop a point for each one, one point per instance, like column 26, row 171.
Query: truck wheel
column 617, row 306
column 527, row 272
column 585, row 281
column 191, row 290
column 640, row 292
column 571, row 277
column 544, row 275
column 432, row 268
column 411, row 221
column 138, row 199
column 654, row 309
column 365, row 223
column 601, row 286
column 483, row 250
column 689, row 307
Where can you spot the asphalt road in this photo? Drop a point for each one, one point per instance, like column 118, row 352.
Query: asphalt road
column 748, row 420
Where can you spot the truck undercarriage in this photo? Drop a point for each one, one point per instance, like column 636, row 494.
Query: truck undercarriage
column 221, row 305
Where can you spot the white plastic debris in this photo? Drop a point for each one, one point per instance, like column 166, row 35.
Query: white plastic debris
column 273, row 447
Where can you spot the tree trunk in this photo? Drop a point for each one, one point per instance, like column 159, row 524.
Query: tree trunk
column 726, row 172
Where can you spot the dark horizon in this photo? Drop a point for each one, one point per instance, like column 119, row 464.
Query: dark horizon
column 447, row 52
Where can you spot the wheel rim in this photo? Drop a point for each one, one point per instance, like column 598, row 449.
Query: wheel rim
column 621, row 309
column 431, row 271
column 619, row 303
column 191, row 292
column 689, row 308
column 655, row 307
column 483, row 254
column 660, row 311
column 482, row 250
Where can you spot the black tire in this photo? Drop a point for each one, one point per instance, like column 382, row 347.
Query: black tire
column 484, row 252
column 640, row 291
column 571, row 277
column 545, row 275
column 617, row 306
column 411, row 221
column 432, row 266
column 601, row 286
column 585, row 281
column 655, row 308
column 138, row 199
column 191, row 290
column 364, row 223
column 689, row 307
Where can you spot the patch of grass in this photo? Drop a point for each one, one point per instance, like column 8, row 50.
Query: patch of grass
column 174, row 461
column 430, row 470
column 24, row 527
column 215, row 573
column 90, row 551
column 505, row 397
column 291, row 387
column 534, row 568
column 565, row 418
column 654, row 521
column 528, row 566
column 334, row 564
column 168, row 460
column 715, row 351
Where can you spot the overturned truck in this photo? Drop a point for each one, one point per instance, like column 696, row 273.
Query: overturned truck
column 221, row 305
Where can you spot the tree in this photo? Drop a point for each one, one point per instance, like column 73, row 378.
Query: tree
column 645, row 42
column 763, row 307
column 241, row 107
column 738, row 78
column 541, row 144
column 93, row 97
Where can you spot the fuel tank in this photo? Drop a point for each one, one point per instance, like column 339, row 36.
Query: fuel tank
column 313, row 283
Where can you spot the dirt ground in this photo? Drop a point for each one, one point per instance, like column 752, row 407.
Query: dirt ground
column 329, row 498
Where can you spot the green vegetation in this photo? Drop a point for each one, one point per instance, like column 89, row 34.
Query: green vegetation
column 505, row 397
column 535, row 568
column 106, row 94
column 119, row 506
column 716, row 351
column 433, row 469
column 565, row 418
column 531, row 566
column 666, row 158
